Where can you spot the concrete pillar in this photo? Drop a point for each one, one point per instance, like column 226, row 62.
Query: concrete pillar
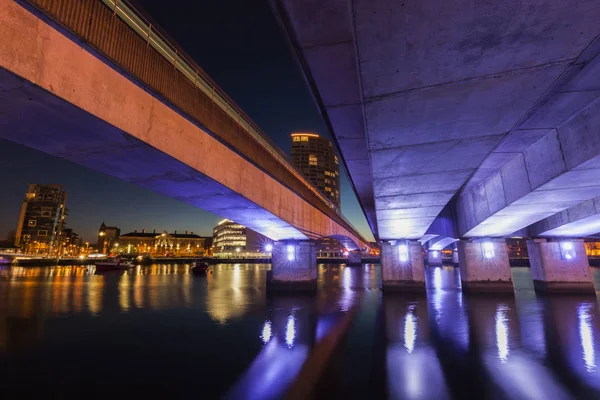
column 294, row 266
column 402, row 266
column 560, row 266
column 455, row 256
column 484, row 266
column 434, row 257
column 354, row 258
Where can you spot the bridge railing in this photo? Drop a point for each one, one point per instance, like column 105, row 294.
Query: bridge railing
column 192, row 72
column 139, row 48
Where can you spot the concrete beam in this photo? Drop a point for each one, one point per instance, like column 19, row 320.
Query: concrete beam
column 433, row 110
column 579, row 221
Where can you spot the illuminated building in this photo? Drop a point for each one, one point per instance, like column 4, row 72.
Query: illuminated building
column 107, row 237
column 329, row 248
column 161, row 244
column 232, row 240
column 42, row 219
column 315, row 157
column 69, row 242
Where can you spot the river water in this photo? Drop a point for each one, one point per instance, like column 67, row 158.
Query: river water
column 158, row 331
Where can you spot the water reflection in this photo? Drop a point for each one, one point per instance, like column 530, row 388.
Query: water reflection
column 266, row 332
column 233, row 290
column 248, row 344
column 586, row 335
column 413, row 369
column 502, row 332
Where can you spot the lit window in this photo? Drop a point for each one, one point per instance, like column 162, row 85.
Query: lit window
column 305, row 138
column 296, row 139
column 327, row 189
column 32, row 222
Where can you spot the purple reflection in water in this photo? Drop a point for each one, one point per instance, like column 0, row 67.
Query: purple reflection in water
column 586, row 336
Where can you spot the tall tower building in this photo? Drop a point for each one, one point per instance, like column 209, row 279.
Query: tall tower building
column 42, row 219
column 315, row 158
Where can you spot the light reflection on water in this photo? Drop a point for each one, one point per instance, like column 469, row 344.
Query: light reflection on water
column 441, row 344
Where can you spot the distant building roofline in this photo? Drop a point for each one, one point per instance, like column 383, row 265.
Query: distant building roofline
column 311, row 134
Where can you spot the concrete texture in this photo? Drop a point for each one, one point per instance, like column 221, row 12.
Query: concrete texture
column 553, row 271
column 579, row 221
column 400, row 275
column 548, row 165
column 294, row 266
column 432, row 89
column 481, row 274
column 57, row 97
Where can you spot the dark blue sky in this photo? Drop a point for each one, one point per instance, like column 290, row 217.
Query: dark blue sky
column 240, row 45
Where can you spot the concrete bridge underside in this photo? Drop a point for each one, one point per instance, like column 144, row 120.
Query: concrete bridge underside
column 59, row 96
column 491, row 106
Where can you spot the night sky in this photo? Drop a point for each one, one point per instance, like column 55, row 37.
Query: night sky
column 239, row 44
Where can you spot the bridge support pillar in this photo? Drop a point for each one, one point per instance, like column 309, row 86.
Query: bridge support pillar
column 560, row 266
column 434, row 257
column 294, row 266
column 354, row 258
column 402, row 266
column 455, row 256
column 484, row 265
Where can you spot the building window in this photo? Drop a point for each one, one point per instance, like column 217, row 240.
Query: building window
column 42, row 233
column 296, row 138
column 26, row 238
column 312, row 159
column 305, row 138
column 32, row 222
column 327, row 189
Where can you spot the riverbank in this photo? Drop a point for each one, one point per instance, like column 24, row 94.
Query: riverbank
column 169, row 260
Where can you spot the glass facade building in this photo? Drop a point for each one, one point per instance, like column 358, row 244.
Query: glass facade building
column 231, row 240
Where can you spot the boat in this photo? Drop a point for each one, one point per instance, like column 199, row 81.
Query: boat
column 114, row 263
column 199, row 267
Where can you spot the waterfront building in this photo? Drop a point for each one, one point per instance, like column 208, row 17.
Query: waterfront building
column 315, row 157
column 42, row 219
column 329, row 248
column 70, row 243
column 161, row 244
column 107, row 237
column 232, row 240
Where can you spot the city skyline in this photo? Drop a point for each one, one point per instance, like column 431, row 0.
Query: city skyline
column 257, row 60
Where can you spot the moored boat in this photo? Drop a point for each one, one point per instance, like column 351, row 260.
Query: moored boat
column 114, row 263
column 199, row 267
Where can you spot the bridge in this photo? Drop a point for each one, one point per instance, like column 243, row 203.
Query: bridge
column 93, row 82
column 462, row 120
